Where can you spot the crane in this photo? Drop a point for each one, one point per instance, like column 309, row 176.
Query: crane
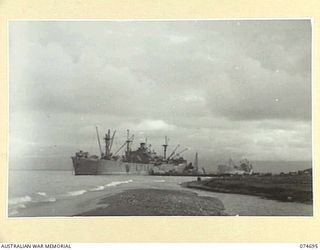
column 173, row 152
column 178, row 154
column 99, row 141
column 130, row 139
column 112, row 138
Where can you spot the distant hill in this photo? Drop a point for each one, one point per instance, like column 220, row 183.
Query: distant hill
column 49, row 163
column 65, row 163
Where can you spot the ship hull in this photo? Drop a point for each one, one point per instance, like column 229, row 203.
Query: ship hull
column 85, row 166
column 107, row 167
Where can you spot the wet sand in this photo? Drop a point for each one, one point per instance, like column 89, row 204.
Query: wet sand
column 156, row 202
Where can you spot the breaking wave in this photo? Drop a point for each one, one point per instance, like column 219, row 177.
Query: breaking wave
column 13, row 212
column 18, row 203
column 40, row 197
column 19, row 200
column 159, row 181
column 112, row 184
column 52, row 199
column 116, row 183
column 42, row 193
column 98, row 188
column 76, row 193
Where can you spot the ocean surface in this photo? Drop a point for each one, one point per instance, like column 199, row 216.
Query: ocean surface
column 60, row 193
column 210, row 165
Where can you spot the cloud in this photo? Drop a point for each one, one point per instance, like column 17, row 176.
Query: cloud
column 240, row 70
column 227, row 87
column 248, row 91
column 154, row 125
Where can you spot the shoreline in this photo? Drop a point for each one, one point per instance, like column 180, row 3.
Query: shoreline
column 165, row 196
column 279, row 188
column 156, row 202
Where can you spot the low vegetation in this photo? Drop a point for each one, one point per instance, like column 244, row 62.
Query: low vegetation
column 289, row 188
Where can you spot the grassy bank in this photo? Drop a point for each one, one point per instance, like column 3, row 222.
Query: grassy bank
column 156, row 202
column 289, row 188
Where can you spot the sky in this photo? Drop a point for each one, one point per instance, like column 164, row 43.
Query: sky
column 239, row 89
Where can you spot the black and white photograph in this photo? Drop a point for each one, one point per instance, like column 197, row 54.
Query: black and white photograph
column 160, row 118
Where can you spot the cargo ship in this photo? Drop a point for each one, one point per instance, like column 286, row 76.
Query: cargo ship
column 142, row 161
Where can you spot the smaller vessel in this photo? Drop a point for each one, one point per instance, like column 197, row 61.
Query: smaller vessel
column 244, row 168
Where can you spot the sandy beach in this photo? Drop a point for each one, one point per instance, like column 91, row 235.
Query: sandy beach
column 156, row 202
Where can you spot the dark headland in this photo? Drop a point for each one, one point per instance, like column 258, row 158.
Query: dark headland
column 283, row 187
column 156, row 202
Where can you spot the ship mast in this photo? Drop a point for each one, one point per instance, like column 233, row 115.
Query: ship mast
column 128, row 141
column 165, row 145
column 107, row 140
column 99, row 142
column 196, row 161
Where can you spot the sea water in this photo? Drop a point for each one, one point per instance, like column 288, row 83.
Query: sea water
column 61, row 193
column 30, row 189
